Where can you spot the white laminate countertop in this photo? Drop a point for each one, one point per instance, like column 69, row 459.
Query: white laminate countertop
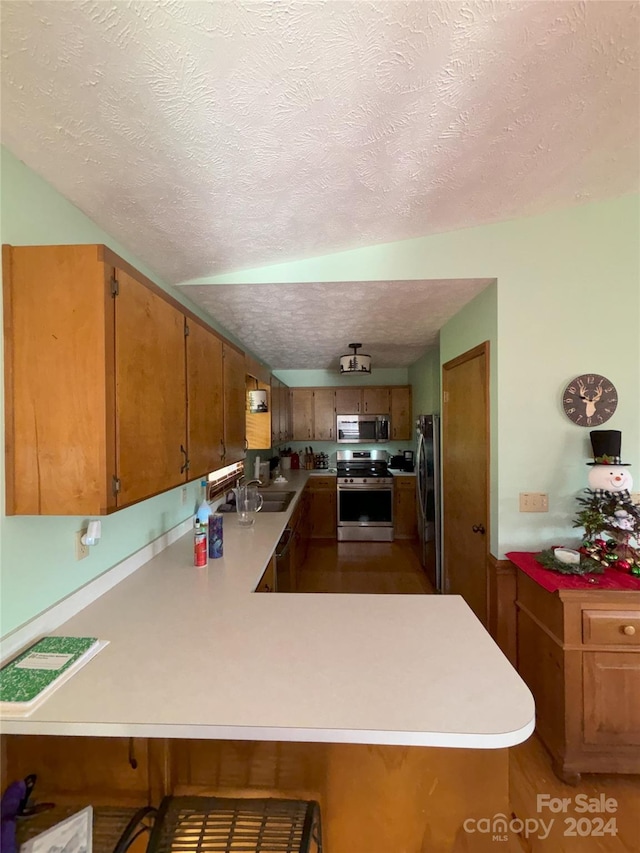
column 194, row 653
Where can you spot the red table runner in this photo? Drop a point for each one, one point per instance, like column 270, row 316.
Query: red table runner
column 552, row 581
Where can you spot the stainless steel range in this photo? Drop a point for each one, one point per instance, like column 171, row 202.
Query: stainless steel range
column 365, row 496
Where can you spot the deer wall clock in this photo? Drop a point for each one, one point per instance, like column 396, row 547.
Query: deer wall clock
column 589, row 400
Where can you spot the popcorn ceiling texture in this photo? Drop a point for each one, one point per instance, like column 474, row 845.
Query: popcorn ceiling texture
column 211, row 136
column 311, row 325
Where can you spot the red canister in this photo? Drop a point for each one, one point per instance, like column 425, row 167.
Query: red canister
column 199, row 546
column 295, row 461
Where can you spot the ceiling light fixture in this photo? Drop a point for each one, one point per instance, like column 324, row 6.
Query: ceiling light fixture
column 355, row 362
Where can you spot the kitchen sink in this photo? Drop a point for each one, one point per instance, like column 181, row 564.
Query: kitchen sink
column 275, row 501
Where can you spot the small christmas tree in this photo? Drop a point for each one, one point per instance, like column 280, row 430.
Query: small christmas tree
column 612, row 515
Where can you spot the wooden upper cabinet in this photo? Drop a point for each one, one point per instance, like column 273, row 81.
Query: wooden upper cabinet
column 59, row 381
column 285, row 427
column 276, row 402
column 324, row 414
column 258, row 423
column 204, row 400
column 302, row 413
column 375, row 401
column 366, row 400
column 151, row 428
column 348, row 401
column 401, row 413
column 96, row 379
column 234, row 404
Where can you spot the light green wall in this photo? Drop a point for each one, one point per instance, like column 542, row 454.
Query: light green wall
column 475, row 324
column 568, row 301
column 424, row 378
column 313, row 378
column 37, row 555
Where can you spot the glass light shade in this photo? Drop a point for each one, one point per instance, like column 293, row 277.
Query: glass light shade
column 356, row 362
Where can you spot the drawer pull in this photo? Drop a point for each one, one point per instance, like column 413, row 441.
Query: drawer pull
column 629, row 630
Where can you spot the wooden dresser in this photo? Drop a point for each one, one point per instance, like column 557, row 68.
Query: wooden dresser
column 579, row 653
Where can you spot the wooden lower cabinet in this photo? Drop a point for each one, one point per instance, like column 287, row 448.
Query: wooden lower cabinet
column 268, row 581
column 405, row 519
column 378, row 799
column 579, row 653
column 323, row 507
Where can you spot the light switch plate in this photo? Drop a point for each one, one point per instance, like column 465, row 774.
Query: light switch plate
column 534, row 502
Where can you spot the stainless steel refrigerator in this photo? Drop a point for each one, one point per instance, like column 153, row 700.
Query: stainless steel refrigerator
column 428, row 488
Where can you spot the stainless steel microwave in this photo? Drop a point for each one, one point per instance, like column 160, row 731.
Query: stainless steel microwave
column 362, row 429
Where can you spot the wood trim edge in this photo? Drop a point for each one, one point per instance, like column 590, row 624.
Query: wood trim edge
column 501, row 601
column 9, row 426
column 480, row 349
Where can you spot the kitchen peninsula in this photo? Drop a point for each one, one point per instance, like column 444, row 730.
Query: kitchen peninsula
column 394, row 711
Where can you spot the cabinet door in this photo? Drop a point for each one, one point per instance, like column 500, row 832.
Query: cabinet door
column 151, row 428
column 302, row 413
column 348, row 401
column 401, row 415
column 276, row 399
column 204, row 400
column 267, row 582
column 376, row 401
column 59, row 413
column 405, row 525
column 611, row 696
column 323, row 507
column 324, row 414
column 285, row 413
column 234, row 404
column 258, row 424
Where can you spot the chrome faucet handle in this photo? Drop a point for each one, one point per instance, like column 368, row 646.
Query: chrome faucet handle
column 254, row 483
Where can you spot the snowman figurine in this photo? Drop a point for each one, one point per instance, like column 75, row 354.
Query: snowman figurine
column 608, row 475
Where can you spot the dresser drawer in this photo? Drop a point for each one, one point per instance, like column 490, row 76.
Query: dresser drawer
column 611, row 627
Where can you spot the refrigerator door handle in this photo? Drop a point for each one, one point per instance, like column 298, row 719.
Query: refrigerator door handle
column 419, row 454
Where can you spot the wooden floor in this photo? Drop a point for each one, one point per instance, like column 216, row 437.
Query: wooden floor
column 394, row 568
column 363, row 567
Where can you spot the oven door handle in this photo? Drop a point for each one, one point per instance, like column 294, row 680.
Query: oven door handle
column 365, row 487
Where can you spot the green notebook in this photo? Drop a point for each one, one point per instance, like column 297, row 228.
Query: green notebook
column 35, row 673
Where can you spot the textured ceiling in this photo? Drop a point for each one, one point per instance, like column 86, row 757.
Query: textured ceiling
column 213, row 136
column 311, row 325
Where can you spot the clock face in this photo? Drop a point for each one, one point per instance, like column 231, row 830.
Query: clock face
column 589, row 400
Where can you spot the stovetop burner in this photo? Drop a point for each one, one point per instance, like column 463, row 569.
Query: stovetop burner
column 362, row 466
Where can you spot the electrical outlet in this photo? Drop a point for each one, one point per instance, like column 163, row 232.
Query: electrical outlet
column 183, row 495
column 534, row 502
column 82, row 551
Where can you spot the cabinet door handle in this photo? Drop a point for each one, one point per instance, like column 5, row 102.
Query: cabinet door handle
column 185, row 466
column 629, row 630
column 478, row 528
column 223, row 449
